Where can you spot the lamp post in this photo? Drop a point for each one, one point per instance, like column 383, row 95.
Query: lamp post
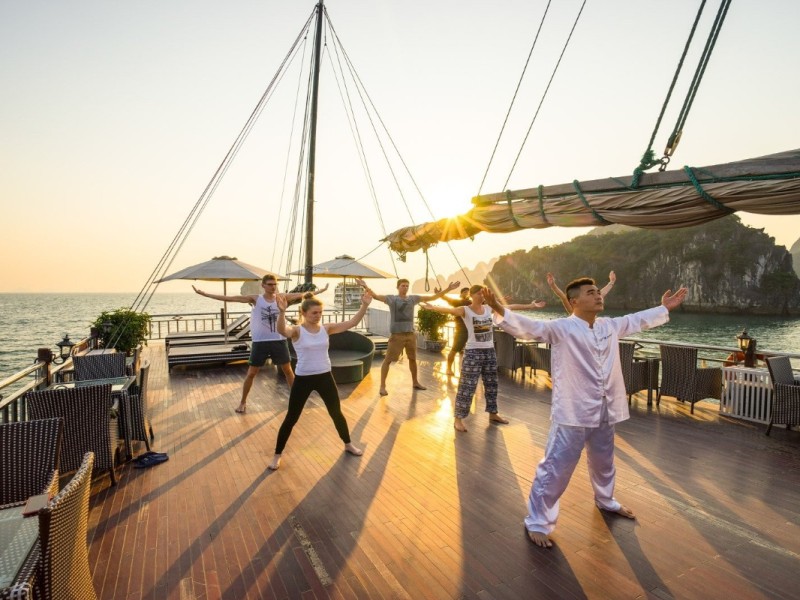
column 107, row 327
column 48, row 357
column 747, row 345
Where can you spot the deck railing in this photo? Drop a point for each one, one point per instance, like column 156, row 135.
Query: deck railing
column 40, row 374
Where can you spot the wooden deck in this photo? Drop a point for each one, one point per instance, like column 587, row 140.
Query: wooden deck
column 426, row 513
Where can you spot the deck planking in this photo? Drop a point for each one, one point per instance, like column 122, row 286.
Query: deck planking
column 426, row 513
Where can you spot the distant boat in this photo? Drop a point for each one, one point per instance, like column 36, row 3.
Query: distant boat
column 352, row 296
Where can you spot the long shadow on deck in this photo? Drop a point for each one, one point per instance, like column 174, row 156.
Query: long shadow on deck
column 326, row 506
column 684, row 488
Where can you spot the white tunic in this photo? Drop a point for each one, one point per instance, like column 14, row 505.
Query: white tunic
column 585, row 361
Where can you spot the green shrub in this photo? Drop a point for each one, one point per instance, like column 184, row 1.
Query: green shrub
column 430, row 322
column 128, row 329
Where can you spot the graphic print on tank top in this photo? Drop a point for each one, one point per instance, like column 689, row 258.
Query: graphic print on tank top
column 482, row 325
column 269, row 318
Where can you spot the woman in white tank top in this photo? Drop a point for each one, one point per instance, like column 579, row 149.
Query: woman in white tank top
column 313, row 372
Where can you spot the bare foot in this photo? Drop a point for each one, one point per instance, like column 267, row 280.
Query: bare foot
column 383, row 392
column 419, row 386
column 242, row 408
column 450, row 373
column 622, row 511
column 276, row 462
column 459, row 425
column 540, row 539
column 496, row 418
column 353, row 450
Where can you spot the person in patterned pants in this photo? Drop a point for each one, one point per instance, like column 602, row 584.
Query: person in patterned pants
column 480, row 360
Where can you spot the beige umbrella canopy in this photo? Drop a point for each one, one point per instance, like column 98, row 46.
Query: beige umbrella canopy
column 345, row 266
column 224, row 269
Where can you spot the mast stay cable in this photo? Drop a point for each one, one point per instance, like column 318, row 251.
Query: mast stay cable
column 144, row 296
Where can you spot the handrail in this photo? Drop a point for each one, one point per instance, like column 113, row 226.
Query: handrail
column 12, row 402
column 728, row 349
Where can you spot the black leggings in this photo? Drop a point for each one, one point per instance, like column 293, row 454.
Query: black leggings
column 301, row 389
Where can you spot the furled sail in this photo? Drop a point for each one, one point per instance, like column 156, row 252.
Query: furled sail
column 767, row 185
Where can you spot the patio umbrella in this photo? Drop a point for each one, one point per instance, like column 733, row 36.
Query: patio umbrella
column 345, row 266
column 224, row 269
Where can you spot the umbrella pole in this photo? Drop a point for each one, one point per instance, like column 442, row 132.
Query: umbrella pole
column 344, row 296
column 225, row 309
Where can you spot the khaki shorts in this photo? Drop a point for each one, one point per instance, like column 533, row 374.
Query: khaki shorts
column 398, row 341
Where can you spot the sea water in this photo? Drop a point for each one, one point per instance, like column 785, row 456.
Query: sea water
column 31, row 321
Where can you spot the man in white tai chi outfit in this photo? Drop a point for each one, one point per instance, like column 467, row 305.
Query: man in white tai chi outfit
column 588, row 396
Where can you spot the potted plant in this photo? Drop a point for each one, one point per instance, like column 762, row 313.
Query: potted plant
column 430, row 323
column 123, row 329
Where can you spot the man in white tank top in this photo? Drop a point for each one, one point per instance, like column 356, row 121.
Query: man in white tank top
column 267, row 342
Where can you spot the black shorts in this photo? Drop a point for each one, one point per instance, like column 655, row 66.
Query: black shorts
column 277, row 350
column 460, row 340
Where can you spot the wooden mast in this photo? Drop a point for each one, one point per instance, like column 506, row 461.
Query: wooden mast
column 312, row 143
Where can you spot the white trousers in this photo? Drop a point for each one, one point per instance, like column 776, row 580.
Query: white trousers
column 564, row 446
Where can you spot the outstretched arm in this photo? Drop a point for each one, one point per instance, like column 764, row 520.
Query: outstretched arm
column 363, row 284
column 672, row 301
column 429, row 297
column 247, row 299
column 551, row 281
column 352, row 322
column 532, row 306
column 448, row 310
column 287, row 331
column 612, row 279
column 295, row 296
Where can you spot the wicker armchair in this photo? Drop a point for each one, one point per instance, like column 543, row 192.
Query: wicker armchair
column 64, row 554
column 506, row 350
column 682, row 379
column 785, row 393
column 538, row 358
column 140, row 427
column 90, row 423
column 634, row 372
column 29, row 458
column 99, row 366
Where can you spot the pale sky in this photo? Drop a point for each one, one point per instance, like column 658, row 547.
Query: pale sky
column 114, row 116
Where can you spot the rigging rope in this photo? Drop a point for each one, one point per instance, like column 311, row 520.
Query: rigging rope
column 288, row 156
column 703, row 194
column 698, row 76
column 354, row 129
column 144, row 296
column 544, row 95
column 514, row 97
column 370, row 110
column 648, row 159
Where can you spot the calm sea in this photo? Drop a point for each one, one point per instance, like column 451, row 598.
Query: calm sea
column 30, row 321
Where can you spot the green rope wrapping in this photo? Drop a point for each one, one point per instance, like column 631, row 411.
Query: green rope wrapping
column 648, row 161
column 595, row 214
column 703, row 194
column 511, row 210
column 541, row 204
